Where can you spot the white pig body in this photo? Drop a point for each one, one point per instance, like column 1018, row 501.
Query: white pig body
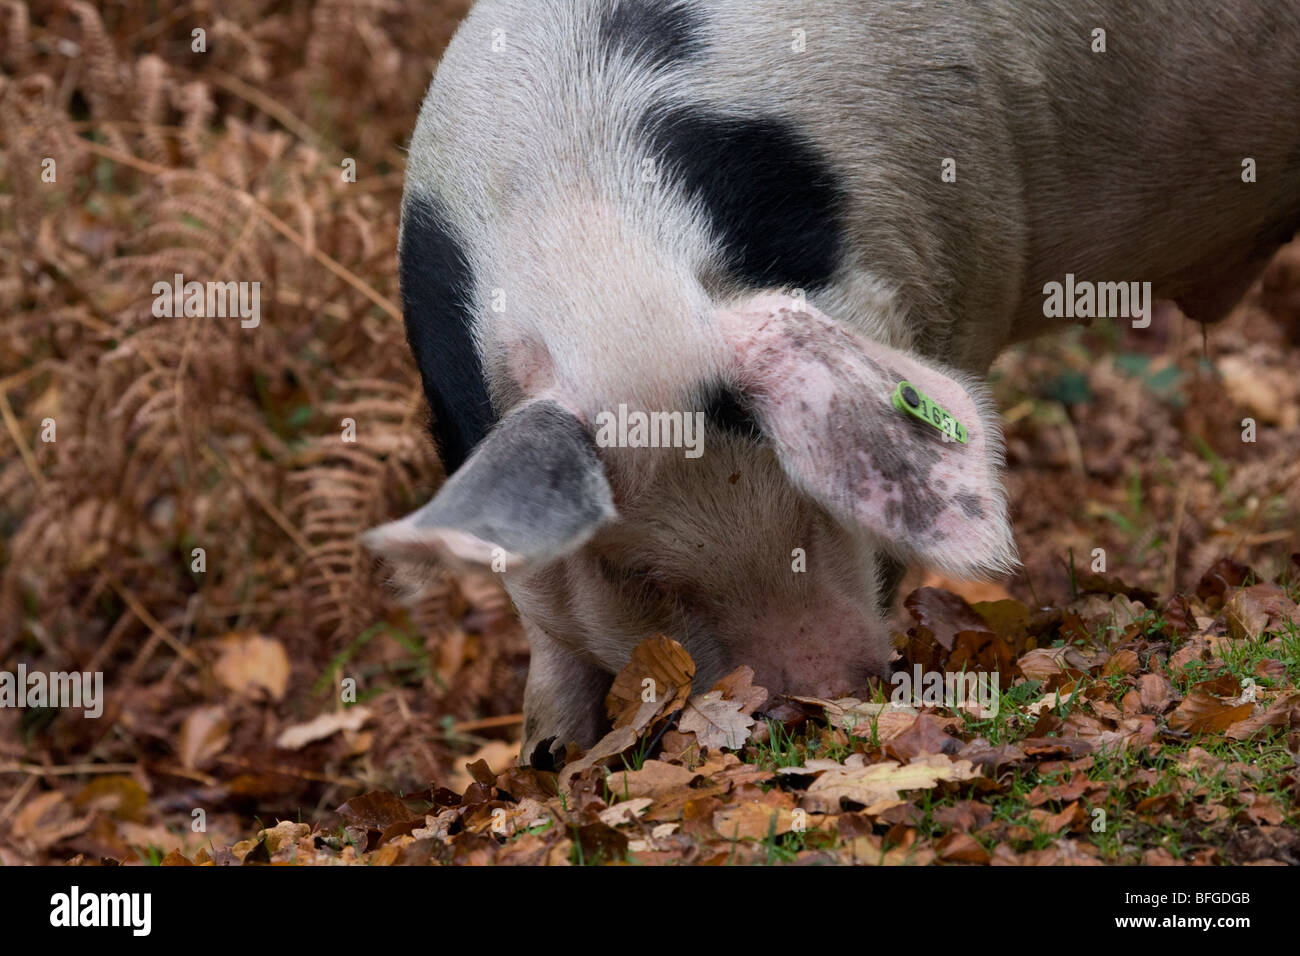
column 773, row 213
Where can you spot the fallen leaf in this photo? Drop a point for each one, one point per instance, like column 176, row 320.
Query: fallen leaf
column 625, row 811
column 120, row 797
column 318, row 728
column 756, row 820
column 204, row 734
column 1050, row 702
column 941, row 615
column 376, row 810
column 659, row 673
column 1283, row 712
column 859, row 717
column 1202, row 712
column 252, row 665
column 654, row 779
column 615, row 742
column 961, row 847
column 925, row 735
column 1154, row 693
column 1121, row 662
column 716, row 721
column 1252, row 611
column 883, row 781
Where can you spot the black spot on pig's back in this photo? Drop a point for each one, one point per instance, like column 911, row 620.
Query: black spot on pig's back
column 774, row 200
column 437, row 284
column 656, row 33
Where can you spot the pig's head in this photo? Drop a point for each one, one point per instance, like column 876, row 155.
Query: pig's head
column 777, row 547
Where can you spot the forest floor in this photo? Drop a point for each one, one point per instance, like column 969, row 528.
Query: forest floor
column 180, row 513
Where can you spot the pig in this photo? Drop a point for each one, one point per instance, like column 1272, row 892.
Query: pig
column 768, row 218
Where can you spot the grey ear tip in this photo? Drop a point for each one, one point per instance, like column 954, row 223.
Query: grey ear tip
column 373, row 540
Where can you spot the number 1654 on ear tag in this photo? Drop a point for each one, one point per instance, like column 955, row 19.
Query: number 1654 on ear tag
column 908, row 398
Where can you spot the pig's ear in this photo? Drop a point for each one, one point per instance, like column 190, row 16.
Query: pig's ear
column 824, row 397
column 532, row 491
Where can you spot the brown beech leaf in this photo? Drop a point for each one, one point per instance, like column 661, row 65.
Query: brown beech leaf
column 616, row 742
column 322, row 726
column 204, row 733
column 1008, row 619
column 1218, row 580
column 1121, row 662
column 925, row 735
column 654, row 779
column 376, row 810
column 1154, row 693
column 1251, row 611
column 755, row 819
column 1203, row 712
column 961, row 847
column 660, row 672
column 252, row 665
column 941, row 615
column 1283, row 712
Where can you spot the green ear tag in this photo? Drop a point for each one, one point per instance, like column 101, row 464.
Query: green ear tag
column 908, row 398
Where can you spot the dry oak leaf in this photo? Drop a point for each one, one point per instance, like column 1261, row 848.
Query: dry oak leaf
column 739, row 686
column 721, row 717
column 322, row 726
column 252, row 665
column 667, row 667
column 883, row 781
column 716, row 722
column 119, row 796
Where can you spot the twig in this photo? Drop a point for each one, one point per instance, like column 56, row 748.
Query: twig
column 68, row 770
column 505, row 720
column 29, row 459
column 277, row 111
column 152, row 622
column 16, row 800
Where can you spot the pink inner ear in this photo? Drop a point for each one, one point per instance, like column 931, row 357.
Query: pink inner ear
column 823, row 395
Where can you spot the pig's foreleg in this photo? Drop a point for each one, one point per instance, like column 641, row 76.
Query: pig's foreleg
column 564, row 698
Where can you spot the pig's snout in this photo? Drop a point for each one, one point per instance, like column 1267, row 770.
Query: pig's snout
column 831, row 649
